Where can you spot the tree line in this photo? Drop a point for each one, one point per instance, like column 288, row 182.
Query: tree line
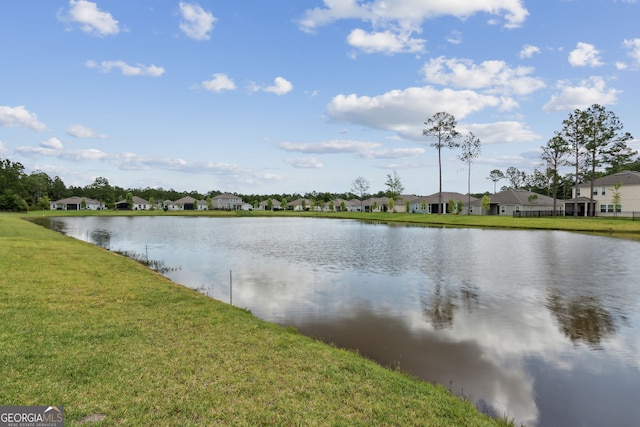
column 591, row 141
column 20, row 191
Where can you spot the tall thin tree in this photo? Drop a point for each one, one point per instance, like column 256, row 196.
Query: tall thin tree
column 573, row 132
column 554, row 155
column 441, row 126
column 495, row 176
column 471, row 147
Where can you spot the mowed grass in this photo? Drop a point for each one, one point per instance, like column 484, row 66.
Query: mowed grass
column 103, row 336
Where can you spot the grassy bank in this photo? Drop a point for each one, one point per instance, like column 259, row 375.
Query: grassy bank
column 109, row 339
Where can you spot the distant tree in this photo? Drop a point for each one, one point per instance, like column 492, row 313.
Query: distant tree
column 331, row 206
column 555, row 155
column 407, row 205
column 441, row 126
column 517, row 178
column 283, row 203
column 573, row 132
column 83, row 204
column 391, row 205
column 44, row 203
column 616, row 199
column 359, row 187
column 423, row 205
column 485, row 203
column 394, row 186
column 129, row 200
column 604, row 140
column 101, row 190
column 304, row 204
column 152, row 203
column 471, row 147
column 495, row 176
column 270, row 204
column 375, row 206
column 343, row 206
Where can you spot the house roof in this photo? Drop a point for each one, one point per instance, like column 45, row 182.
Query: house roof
column 136, row 201
column 274, row 202
column 76, row 200
column 511, row 196
column 185, row 199
column 297, row 202
column 433, row 198
column 624, row 178
column 226, row 196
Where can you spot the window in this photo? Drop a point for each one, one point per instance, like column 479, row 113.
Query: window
column 503, row 209
column 618, row 208
column 603, row 208
column 603, row 191
column 595, row 191
column 577, row 192
column 609, row 208
column 470, row 209
column 517, row 208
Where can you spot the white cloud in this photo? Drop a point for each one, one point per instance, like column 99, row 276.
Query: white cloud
column 455, row 37
column 528, row 51
column 634, row 49
column 401, row 12
column 2, row 148
column 363, row 149
column 91, row 19
column 386, row 42
column 126, row 69
column 501, row 132
column 196, row 22
column 218, row 83
column 53, row 143
column 281, row 86
column 79, row 131
column 492, row 76
column 330, row 147
column 305, row 163
column 589, row 92
column 20, row 116
column 404, row 111
column 585, row 55
column 393, row 22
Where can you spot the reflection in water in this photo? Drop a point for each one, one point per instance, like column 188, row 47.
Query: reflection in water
column 582, row 318
column 497, row 316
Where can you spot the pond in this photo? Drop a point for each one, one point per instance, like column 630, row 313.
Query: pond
column 540, row 326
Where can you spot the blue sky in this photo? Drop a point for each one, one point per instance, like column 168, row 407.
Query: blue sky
column 298, row 96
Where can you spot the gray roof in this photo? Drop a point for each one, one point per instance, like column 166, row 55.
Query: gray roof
column 511, row 196
column 624, row 178
column 76, row 200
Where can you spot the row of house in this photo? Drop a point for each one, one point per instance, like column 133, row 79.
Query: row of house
column 612, row 195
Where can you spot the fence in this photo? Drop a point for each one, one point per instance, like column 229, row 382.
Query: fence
column 635, row 216
column 537, row 214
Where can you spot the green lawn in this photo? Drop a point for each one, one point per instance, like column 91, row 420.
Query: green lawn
column 101, row 335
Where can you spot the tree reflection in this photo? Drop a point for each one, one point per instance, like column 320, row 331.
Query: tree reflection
column 441, row 307
column 582, row 318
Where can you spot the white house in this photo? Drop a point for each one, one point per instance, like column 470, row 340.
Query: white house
column 139, row 204
column 76, row 203
column 227, row 201
column 627, row 186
